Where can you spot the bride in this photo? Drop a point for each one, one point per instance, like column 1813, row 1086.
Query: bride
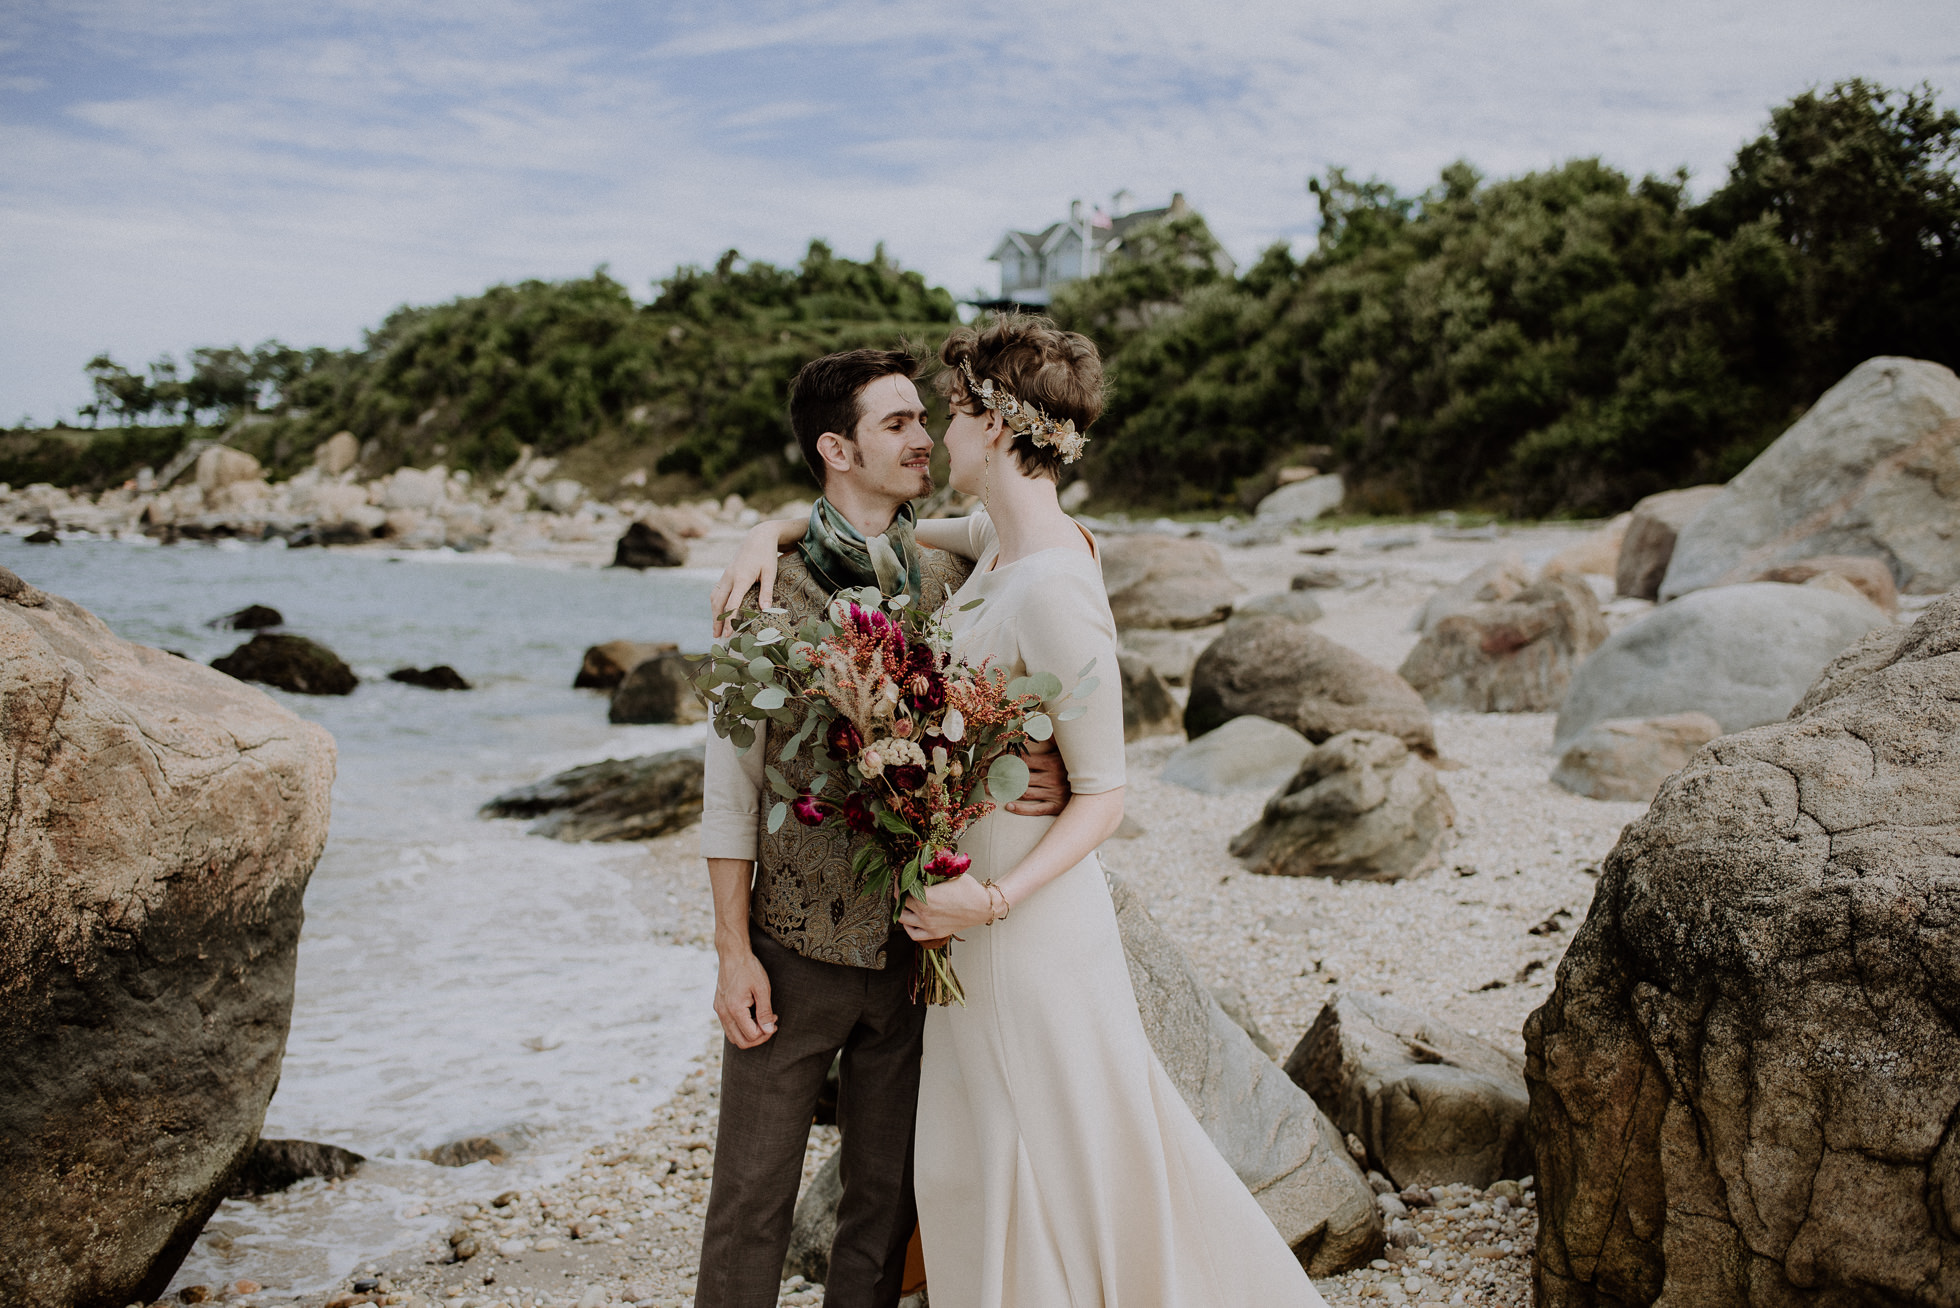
column 1055, row 1161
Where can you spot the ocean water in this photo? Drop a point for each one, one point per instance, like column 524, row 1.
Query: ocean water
column 456, row 976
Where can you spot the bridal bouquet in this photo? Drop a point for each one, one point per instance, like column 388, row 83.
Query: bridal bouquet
column 906, row 745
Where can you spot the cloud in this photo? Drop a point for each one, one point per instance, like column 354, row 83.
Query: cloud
column 216, row 171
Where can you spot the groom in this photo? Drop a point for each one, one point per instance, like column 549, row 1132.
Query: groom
column 810, row 967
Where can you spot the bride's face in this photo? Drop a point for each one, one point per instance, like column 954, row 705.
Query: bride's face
column 968, row 438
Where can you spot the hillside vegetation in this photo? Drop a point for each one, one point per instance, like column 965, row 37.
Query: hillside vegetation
column 1557, row 343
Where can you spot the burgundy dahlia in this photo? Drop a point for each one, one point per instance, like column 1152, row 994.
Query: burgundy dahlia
column 857, row 814
column 946, row 865
column 843, row 738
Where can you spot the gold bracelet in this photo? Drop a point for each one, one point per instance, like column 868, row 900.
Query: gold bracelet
column 1006, row 905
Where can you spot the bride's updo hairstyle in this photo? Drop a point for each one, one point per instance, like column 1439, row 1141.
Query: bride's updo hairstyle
column 1037, row 363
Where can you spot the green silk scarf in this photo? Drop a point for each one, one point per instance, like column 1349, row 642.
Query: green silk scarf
column 839, row 556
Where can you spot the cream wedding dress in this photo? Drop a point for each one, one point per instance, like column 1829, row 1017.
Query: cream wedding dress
column 1056, row 1164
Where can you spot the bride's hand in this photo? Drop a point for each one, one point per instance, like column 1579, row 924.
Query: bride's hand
column 946, row 909
column 754, row 565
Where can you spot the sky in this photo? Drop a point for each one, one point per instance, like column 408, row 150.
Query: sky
column 214, row 172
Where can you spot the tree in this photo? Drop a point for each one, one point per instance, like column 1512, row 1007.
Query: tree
column 118, row 390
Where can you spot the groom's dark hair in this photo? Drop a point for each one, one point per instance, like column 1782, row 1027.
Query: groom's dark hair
column 825, row 396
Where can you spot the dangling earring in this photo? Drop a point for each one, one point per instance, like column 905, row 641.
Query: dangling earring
column 986, row 477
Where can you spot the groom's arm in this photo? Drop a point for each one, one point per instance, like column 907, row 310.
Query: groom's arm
column 731, row 810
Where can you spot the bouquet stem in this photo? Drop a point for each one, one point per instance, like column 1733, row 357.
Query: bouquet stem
column 936, row 982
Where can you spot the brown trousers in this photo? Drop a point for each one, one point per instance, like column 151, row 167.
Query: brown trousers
column 768, row 1098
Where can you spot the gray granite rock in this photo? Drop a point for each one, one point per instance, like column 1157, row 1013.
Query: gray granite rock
column 659, row 689
column 1741, row 654
column 161, row 822
column 1649, row 543
column 1499, row 579
column 1248, row 753
column 1629, row 758
column 1873, row 469
column 1515, row 655
column 1431, row 1104
column 1742, row 1085
column 1283, row 1147
column 1289, row 673
column 1303, row 501
column 1361, row 807
column 1148, row 709
column 1166, row 581
column 619, row 799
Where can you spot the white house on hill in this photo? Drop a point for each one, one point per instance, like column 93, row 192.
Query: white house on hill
column 1033, row 264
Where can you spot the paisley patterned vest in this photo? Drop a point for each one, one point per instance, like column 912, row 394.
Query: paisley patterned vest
column 805, row 895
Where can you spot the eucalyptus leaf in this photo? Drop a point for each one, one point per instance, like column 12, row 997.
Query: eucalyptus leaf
column 1040, row 727
column 761, row 669
column 776, row 816
column 1087, row 668
column 973, row 604
column 770, row 697
column 816, row 787
column 1046, row 684
column 768, row 636
column 1071, row 713
column 1020, row 686
column 1085, row 687
column 1007, row 779
column 779, row 784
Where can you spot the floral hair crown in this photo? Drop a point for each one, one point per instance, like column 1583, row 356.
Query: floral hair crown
column 1024, row 418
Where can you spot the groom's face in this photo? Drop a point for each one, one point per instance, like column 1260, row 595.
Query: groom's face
column 891, row 454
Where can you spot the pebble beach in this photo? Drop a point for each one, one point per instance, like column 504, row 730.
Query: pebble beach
column 1475, row 942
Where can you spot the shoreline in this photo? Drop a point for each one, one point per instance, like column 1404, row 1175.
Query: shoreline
column 1456, row 942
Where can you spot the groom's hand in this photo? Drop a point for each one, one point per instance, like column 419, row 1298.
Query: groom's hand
column 742, row 1000
column 1047, row 793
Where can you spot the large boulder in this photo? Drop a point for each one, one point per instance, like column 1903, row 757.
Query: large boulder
column 1166, row 581
column 813, row 1228
column 1872, row 469
column 219, row 466
column 1867, row 576
column 1628, row 758
column 1171, row 654
column 561, row 495
column 1649, row 545
column 1500, row 579
column 1742, row 1085
column 1248, row 753
column 1303, row 500
column 291, row 663
column 659, row 689
column 413, row 489
column 619, row 799
column 1432, row 1105
column 1597, row 553
column 1515, row 655
column 1148, row 709
column 647, row 545
column 605, row 666
column 161, row 821
column 1283, row 1147
column 1361, row 807
column 337, row 453
column 1284, row 671
column 1741, row 654
column 1293, row 605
